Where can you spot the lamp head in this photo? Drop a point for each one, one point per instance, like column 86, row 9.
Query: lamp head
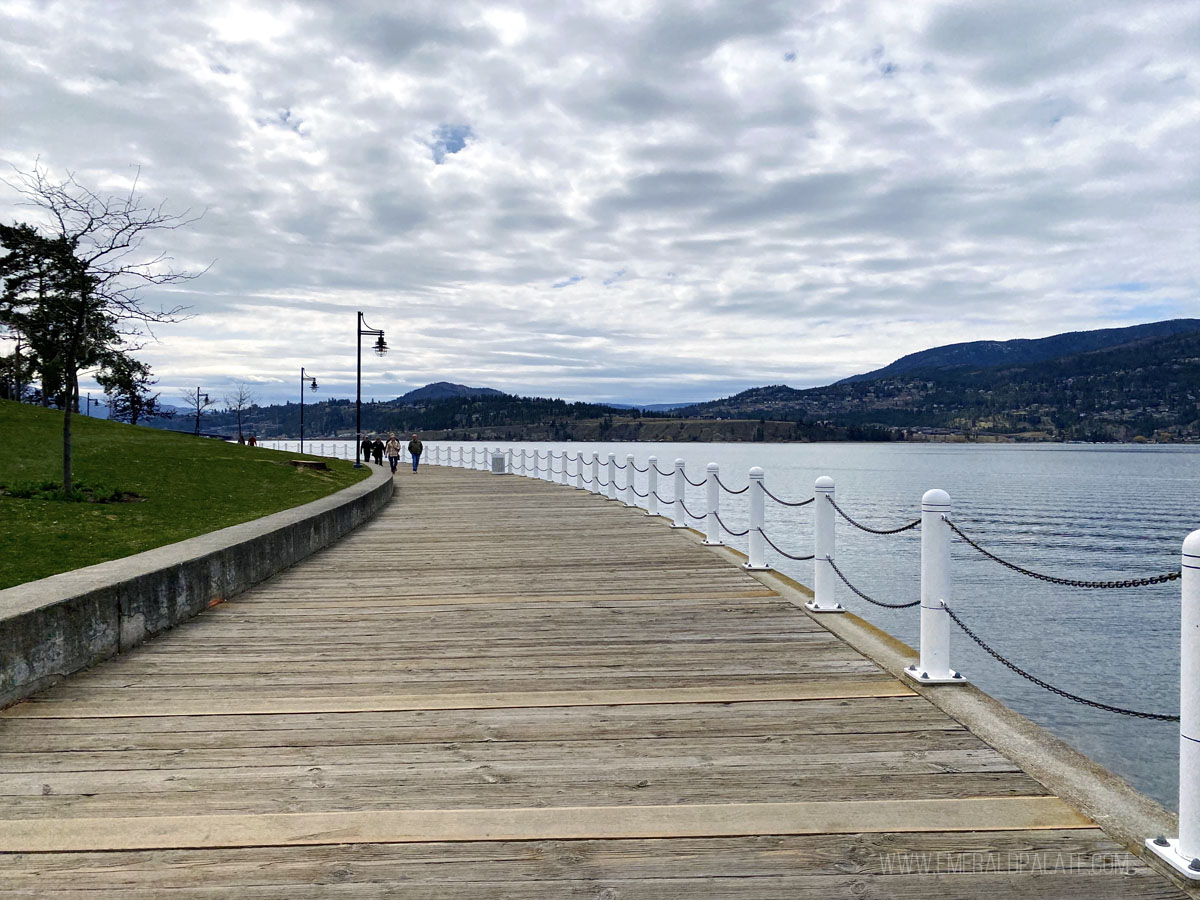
column 381, row 347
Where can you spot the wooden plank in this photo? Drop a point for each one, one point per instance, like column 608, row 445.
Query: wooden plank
column 522, row 824
column 511, row 700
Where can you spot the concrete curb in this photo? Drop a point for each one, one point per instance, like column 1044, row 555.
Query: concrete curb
column 67, row 622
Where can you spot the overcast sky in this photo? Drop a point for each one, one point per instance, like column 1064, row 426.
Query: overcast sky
column 627, row 201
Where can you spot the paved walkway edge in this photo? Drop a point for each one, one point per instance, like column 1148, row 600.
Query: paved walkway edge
column 61, row 624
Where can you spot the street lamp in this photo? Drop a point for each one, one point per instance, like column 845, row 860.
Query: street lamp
column 312, row 384
column 91, row 403
column 381, row 348
column 200, row 409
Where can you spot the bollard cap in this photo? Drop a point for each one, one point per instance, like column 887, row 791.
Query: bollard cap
column 713, row 467
column 612, row 456
column 757, row 472
column 629, row 456
column 653, row 459
column 824, row 483
column 935, row 499
column 1191, row 548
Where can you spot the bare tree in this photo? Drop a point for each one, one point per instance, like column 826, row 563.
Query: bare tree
column 73, row 287
column 239, row 401
column 197, row 403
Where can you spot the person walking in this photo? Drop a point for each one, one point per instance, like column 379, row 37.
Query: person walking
column 377, row 447
column 366, row 449
column 393, row 452
column 414, row 450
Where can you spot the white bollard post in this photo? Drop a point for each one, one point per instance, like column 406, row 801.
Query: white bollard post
column 652, row 486
column 1183, row 853
column 824, row 580
column 579, row 471
column 612, row 476
column 757, row 557
column 680, row 517
column 537, row 464
column 630, row 497
column 712, row 507
column 595, row 472
column 934, row 665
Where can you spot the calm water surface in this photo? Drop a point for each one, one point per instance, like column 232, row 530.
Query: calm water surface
column 1092, row 512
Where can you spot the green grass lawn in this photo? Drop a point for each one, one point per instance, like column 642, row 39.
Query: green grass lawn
column 188, row 486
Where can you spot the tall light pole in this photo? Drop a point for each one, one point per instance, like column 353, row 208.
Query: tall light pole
column 313, row 384
column 200, row 409
column 380, row 349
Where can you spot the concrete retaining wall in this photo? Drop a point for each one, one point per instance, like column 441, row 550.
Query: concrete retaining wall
column 64, row 623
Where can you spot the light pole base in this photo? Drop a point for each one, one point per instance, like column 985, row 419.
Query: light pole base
column 812, row 606
column 922, row 677
column 1169, row 853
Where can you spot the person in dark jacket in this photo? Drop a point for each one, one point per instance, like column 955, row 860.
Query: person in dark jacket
column 366, row 449
column 377, row 448
column 414, row 450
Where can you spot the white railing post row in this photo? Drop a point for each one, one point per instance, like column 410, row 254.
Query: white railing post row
column 579, row 471
column 612, row 476
column 757, row 556
column 595, row 472
column 934, row 664
column 680, row 517
column 824, row 581
column 537, row 462
column 1183, row 853
column 652, row 486
column 712, row 507
column 630, row 471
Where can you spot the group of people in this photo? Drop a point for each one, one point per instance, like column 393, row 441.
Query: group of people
column 374, row 447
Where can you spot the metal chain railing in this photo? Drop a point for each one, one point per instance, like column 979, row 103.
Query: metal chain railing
column 693, row 483
column 882, row 603
column 1067, row 582
column 661, row 500
column 730, row 490
column 783, row 502
column 913, row 524
column 666, row 474
column 728, row 529
column 781, row 551
column 621, row 466
column 636, row 469
column 1159, row 717
column 689, row 512
column 638, row 493
column 601, row 482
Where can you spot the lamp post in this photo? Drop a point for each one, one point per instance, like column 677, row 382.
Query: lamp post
column 312, row 384
column 200, row 409
column 380, row 349
column 91, row 403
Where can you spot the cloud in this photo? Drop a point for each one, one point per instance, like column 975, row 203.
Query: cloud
column 740, row 194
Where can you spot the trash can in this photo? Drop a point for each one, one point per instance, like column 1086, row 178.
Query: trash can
column 499, row 463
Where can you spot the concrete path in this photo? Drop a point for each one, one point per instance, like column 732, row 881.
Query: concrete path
column 506, row 688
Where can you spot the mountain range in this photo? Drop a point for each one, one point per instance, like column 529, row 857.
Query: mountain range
column 1136, row 383
column 1140, row 382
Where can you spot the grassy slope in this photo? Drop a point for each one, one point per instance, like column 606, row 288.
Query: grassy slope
column 190, row 485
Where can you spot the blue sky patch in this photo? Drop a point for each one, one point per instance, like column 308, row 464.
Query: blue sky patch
column 449, row 139
column 574, row 279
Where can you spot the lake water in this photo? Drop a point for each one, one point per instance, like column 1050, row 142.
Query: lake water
column 1090, row 512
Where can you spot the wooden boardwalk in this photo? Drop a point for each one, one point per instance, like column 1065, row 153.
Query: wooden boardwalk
column 502, row 688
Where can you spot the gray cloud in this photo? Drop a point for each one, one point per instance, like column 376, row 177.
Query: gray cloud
column 652, row 201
